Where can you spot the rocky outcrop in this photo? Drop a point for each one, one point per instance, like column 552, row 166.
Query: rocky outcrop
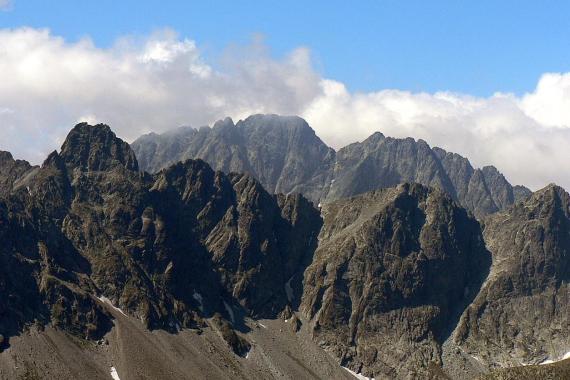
column 393, row 271
column 13, row 173
column 521, row 316
column 286, row 156
column 394, row 283
column 170, row 250
column 89, row 148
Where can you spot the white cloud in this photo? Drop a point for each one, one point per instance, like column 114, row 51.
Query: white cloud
column 500, row 130
column 163, row 81
column 550, row 103
column 135, row 86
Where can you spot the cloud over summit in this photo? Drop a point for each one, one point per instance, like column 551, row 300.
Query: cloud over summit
column 163, row 81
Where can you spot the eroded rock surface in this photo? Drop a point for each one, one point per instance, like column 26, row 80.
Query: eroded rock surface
column 393, row 271
column 169, row 249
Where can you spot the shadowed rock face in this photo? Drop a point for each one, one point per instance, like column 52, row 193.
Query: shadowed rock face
column 286, row 156
column 393, row 270
column 522, row 313
column 167, row 249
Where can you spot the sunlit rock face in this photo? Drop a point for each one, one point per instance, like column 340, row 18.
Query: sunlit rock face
column 393, row 271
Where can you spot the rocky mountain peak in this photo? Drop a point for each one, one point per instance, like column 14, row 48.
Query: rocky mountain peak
column 224, row 123
column 96, row 148
column 5, row 157
column 548, row 201
column 285, row 155
column 375, row 137
column 275, row 121
column 12, row 171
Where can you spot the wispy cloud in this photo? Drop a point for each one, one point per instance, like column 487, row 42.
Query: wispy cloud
column 163, row 81
column 5, row 5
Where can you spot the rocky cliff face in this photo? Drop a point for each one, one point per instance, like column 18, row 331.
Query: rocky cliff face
column 393, row 271
column 170, row 249
column 286, row 156
column 400, row 282
column 13, row 173
column 521, row 316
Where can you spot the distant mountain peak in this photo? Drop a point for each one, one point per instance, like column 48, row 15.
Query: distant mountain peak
column 224, row 123
column 285, row 155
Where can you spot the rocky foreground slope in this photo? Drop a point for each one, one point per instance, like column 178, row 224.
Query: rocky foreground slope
column 193, row 273
column 286, row 156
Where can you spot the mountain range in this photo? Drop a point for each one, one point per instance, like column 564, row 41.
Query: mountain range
column 255, row 251
column 286, row 156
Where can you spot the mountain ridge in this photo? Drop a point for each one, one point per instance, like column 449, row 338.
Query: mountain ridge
column 396, row 282
column 268, row 147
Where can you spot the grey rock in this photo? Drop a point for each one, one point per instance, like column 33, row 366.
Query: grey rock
column 393, row 271
column 286, row 156
column 283, row 153
column 521, row 193
column 521, row 314
column 170, row 249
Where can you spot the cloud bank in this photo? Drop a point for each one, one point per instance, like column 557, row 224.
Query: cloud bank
column 162, row 81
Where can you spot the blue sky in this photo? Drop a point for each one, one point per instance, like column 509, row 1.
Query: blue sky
column 474, row 47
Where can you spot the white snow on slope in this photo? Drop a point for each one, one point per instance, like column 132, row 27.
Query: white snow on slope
column 550, row 361
column 108, row 302
column 479, row 360
column 230, row 311
column 358, row 376
column 115, row 374
column 198, row 297
column 289, row 289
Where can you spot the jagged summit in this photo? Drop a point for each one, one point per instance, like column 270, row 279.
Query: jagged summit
column 13, row 173
column 95, row 148
column 282, row 152
column 285, row 155
column 397, row 282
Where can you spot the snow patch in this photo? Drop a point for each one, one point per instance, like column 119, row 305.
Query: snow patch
column 358, row 376
column 230, row 311
column 550, row 361
column 115, row 374
column 175, row 325
column 288, row 288
column 108, row 302
column 478, row 359
column 198, row 297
